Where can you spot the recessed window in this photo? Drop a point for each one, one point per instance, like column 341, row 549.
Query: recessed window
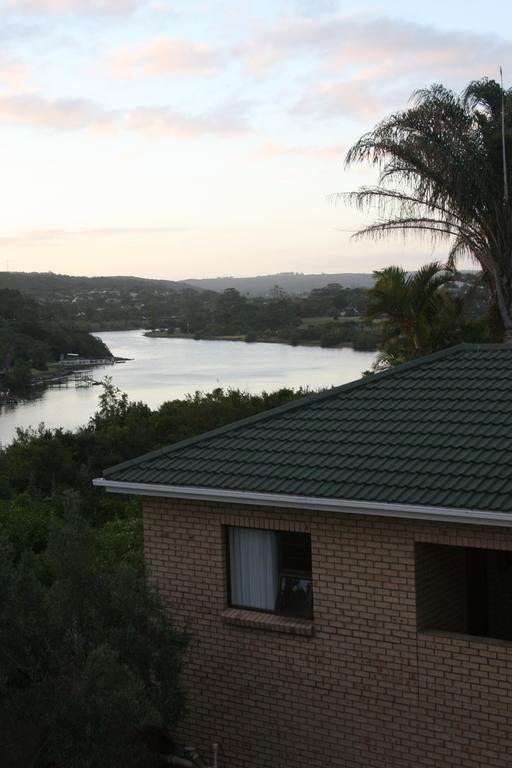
column 464, row 590
column 270, row 571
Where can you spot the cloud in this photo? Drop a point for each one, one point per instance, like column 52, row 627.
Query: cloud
column 165, row 57
column 93, row 6
column 155, row 122
column 271, row 149
column 375, row 62
column 14, row 75
column 343, row 40
column 45, row 237
column 59, row 114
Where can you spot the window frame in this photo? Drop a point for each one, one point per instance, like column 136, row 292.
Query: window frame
column 280, row 572
column 478, row 610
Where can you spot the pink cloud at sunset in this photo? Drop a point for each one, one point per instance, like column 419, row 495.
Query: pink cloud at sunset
column 165, row 57
column 152, row 122
column 347, row 42
column 59, row 114
column 14, row 75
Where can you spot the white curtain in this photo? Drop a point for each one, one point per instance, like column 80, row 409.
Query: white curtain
column 253, row 564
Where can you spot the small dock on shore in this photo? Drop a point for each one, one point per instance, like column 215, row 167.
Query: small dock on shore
column 76, row 372
column 66, row 379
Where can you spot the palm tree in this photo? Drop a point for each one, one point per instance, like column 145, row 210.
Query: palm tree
column 444, row 174
column 408, row 305
column 419, row 315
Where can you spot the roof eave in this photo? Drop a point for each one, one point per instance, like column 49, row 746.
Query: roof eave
column 317, row 504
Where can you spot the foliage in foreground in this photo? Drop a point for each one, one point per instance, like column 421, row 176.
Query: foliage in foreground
column 87, row 655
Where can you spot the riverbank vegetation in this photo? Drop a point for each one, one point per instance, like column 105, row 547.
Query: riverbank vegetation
column 328, row 317
column 33, row 336
column 403, row 315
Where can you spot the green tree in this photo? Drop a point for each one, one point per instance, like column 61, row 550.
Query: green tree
column 419, row 315
column 442, row 174
column 19, row 376
column 87, row 656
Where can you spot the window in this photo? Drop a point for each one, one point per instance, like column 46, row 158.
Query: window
column 270, row 571
column 464, row 590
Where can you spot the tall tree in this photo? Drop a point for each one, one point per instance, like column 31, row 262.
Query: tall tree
column 445, row 171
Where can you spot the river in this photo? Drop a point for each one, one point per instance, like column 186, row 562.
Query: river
column 165, row 369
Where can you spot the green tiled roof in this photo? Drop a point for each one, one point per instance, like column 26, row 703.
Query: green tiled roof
column 436, row 432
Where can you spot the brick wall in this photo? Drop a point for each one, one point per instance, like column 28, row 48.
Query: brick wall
column 366, row 690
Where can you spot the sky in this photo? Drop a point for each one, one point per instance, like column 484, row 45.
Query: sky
column 202, row 138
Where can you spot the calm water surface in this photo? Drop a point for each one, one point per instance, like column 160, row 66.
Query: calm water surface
column 164, row 369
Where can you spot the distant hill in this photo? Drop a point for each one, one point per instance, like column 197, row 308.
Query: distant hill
column 294, row 283
column 46, row 285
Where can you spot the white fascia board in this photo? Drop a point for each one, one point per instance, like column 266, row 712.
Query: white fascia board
column 312, row 503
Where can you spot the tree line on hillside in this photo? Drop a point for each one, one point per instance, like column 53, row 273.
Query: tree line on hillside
column 403, row 315
column 99, row 303
column 326, row 316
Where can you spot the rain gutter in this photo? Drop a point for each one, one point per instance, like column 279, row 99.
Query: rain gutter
column 310, row 503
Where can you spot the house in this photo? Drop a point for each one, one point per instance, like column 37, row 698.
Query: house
column 344, row 565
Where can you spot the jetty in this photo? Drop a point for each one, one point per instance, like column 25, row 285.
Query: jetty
column 80, row 378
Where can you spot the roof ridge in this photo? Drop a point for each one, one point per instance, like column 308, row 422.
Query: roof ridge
column 302, row 403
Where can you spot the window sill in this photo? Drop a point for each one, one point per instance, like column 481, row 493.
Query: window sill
column 269, row 621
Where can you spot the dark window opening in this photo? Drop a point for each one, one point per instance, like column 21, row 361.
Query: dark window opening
column 464, row 590
column 270, row 571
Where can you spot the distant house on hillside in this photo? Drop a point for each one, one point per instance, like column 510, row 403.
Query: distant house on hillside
column 344, row 565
